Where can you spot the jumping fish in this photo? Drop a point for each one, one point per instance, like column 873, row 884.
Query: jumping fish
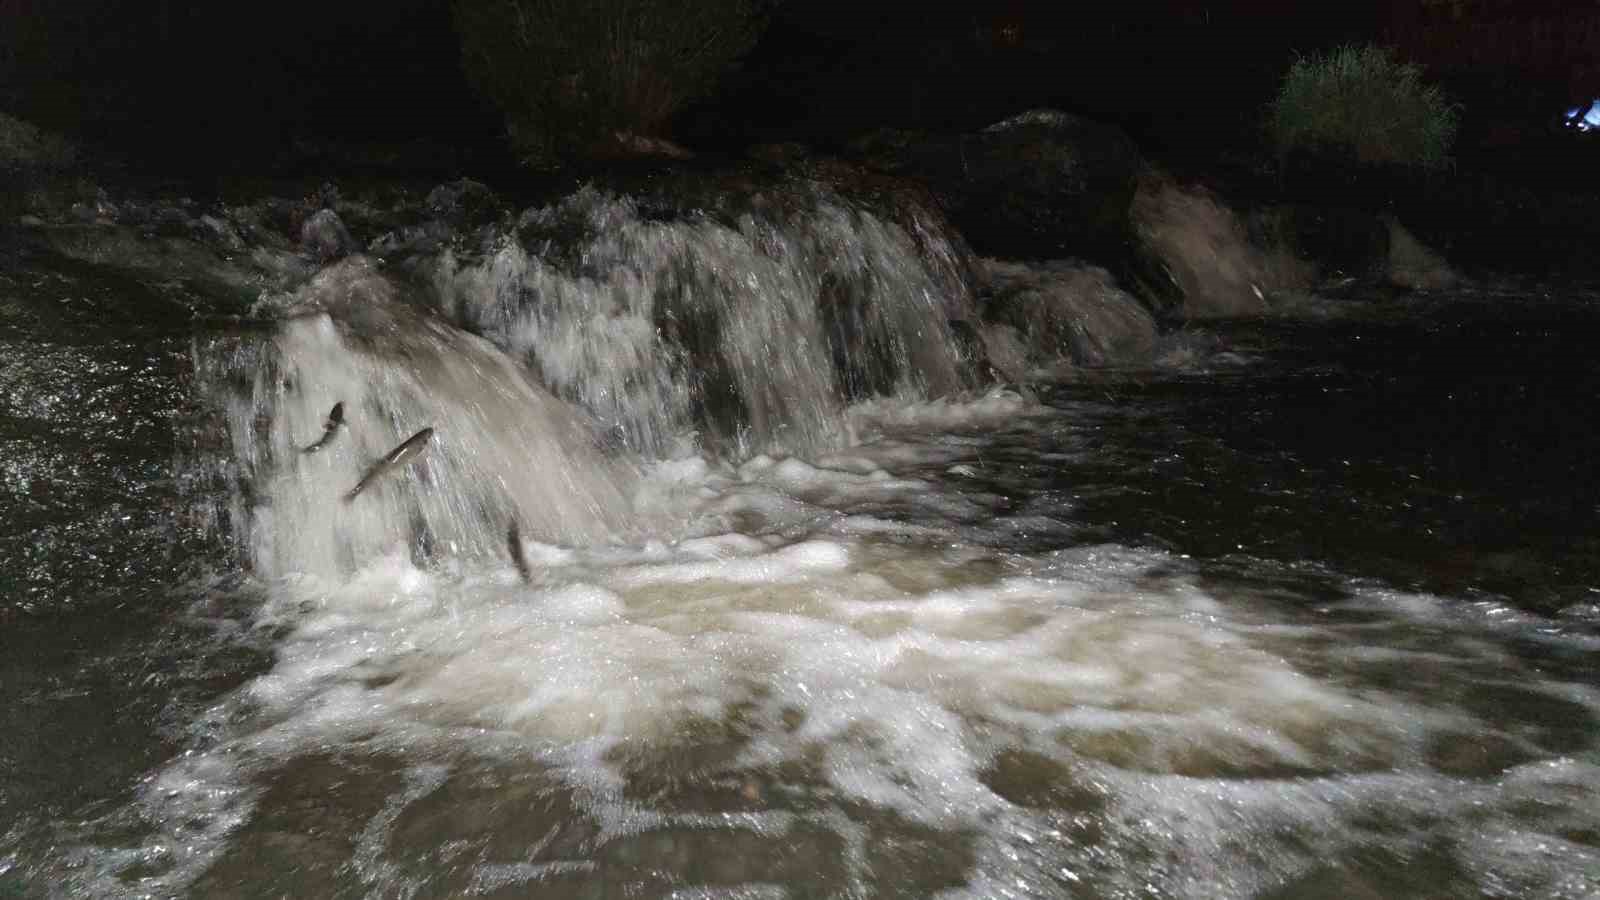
column 329, row 428
column 519, row 557
column 394, row 459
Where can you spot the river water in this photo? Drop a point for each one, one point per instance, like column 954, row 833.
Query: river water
column 1309, row 606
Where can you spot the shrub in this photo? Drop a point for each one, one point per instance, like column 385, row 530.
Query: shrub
column 579, row 76
column 1364, row 102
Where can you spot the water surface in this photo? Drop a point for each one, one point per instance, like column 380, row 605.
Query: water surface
column 1308, row 610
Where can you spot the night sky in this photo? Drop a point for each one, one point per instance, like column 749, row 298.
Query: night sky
column 236, row 84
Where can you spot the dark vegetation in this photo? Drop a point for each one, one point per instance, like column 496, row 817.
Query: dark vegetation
column 433, row 89
column 1364, row 104
column 576, row 78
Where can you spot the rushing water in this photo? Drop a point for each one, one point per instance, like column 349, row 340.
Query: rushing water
column 1309, row 608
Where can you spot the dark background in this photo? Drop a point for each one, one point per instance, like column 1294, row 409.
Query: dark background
column 239, row 85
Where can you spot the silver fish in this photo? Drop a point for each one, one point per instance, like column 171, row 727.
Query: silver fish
column 329, row 428
column 519, row 557
column 410, row 449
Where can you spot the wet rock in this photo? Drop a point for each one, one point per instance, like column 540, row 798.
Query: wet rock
column 1044, row 184
column 413, row 239
column 325, row 238
column 1068, row 310
column 464, row 203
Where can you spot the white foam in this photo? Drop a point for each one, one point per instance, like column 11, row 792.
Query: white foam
column 997, row 406
column 855, row 671
column 789, row 564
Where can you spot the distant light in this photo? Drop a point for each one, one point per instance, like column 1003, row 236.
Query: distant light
column 1589, row 121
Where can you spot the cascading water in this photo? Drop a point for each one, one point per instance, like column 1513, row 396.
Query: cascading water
column 503, row 450
column 754, row 332
column 668, row 335
column 1148, row 637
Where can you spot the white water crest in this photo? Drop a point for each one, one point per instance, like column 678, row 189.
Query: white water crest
column 755, row 331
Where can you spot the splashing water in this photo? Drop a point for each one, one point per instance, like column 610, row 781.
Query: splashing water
column 759, row 330
column 861, row 641
column 504, row 450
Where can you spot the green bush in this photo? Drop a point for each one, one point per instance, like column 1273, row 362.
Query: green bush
column 577, row 77
column 1364, row 102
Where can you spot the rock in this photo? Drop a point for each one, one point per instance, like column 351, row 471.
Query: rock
column 325, row 238
column 1040, row 185
column 465, row 204
column 1067, row 309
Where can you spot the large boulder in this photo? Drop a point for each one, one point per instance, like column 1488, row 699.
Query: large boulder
column 1041, row 185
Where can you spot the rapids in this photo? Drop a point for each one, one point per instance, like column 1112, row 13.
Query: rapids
column 813, row 610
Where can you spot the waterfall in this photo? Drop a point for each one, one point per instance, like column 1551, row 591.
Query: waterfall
column 750, row 330
column 582, row 341
column 503, row 448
